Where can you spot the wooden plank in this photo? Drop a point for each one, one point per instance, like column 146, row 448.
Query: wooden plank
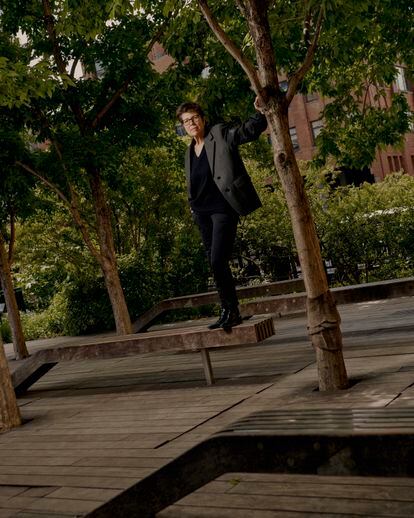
column 67, row 480
column 197, row 339
column 315, row 505
column 66, row 506
column 180, row 511
column 208, row 369
column 84, row 493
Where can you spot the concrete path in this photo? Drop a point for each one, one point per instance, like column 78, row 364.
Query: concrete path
column 93, row 428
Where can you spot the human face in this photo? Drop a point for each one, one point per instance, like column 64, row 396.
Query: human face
column 193, row 124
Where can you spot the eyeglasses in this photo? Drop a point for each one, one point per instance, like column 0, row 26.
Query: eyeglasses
column 194, row 119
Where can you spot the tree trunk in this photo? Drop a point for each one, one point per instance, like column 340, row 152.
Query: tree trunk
column 323, row 317
column 108, row 262
column 13, row 314
column 9, row 410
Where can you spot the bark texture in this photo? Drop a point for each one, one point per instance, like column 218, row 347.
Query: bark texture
column 9, row 410
column 323, row 317
column 107, row 256
column 13, row 314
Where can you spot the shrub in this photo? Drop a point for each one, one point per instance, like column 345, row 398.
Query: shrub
column 366, row 231
column 5, row 331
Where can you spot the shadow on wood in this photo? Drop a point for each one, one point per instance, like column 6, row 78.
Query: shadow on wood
column 365, row 442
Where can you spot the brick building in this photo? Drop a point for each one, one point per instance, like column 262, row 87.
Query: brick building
column 306, row 123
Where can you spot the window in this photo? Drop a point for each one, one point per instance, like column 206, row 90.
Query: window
column 180, row 131
column 316, row 128
column 396, row 163
column 411, row 122
column 294, row 137
column 400, row 82
column 283, row 85
column 311, row 97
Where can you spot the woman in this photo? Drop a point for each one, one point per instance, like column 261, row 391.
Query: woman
column 219, row 191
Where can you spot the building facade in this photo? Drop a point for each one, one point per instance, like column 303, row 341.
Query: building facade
column 305, row 124
column 305, row 121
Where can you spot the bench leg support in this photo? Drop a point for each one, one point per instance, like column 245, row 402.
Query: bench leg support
column 208, row 369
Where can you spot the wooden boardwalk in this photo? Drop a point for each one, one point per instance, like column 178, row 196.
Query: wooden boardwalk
column 94, row 428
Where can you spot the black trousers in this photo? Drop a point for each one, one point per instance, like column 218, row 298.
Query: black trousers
column 218, row 232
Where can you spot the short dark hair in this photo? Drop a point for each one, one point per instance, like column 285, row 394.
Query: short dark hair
column 189, row 107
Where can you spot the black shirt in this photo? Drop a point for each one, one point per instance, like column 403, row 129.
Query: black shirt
column 206, row 197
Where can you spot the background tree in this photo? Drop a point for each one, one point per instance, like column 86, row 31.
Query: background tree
column 9, row 411
column 89, row 121
column 158, row 248
column 16, row 200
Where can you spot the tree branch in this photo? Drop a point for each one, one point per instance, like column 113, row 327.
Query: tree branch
column 124, row 86
column 61, row 64
column 231, row 47
column 256, row 14
column 297, row 77
column 44, row 180
column 364, row 103
column 74, row 209
column 12, row 235
column 72, row 206
column 122, row 89
column 50, row 27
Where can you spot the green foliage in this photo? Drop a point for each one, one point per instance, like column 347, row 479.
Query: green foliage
column 265, row 242
column 359, row 46
column 5, row 331
column 49, row 253
column 365, row 231
column 46, row 324
column 160, row 251
column 353, row 136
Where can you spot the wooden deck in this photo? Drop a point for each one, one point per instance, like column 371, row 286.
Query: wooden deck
column 94, row 428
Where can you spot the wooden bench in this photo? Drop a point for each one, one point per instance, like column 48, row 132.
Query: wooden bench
column 200, row 339
column 360, row 442
column 279, row 298
column 201, row 299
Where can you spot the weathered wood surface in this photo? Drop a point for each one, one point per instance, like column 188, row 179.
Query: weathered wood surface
column 280, row 298
column 201, row 299
column 188, row 339
column 244, row 495
column 114, row 421
column 370, row 442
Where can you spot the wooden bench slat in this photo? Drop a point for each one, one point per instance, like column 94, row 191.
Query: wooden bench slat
column 200, row 339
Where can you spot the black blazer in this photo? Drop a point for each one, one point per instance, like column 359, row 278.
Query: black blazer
column 221, row 142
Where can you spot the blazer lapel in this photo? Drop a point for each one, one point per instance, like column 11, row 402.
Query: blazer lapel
column 210, row 145
column 187, row 163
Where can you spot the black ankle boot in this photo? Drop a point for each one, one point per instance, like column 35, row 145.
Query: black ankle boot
column 232, row 318
column 224, row 313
